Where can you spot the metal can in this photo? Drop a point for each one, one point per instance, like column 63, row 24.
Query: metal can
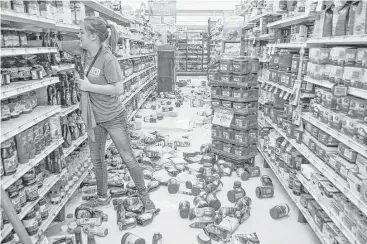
column 243, row 174
column 264, row 191
column 279, row 211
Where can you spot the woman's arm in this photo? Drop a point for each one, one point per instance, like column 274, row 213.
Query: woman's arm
column 71, row 47
column 109, row 89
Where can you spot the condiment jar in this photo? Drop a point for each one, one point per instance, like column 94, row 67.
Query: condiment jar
column 9, row 239
column 14, row 107
column 55, row 195
column 30, row 223
column 37, row 210
column 43, row 209
column 31, row 186
column 14, row 198
column 22, row 193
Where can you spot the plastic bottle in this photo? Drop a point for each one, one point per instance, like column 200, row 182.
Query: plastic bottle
column 184, row 209
column 91, row 239
column 78, row 235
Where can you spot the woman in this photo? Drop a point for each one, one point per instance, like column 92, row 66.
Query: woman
column 103, row 83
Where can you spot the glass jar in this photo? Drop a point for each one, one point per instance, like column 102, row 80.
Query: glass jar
column 22, row 193
column 33, row 8
column 9, row 157
column 30, row 223
column 5, row 111
column 37, row 210
column 14, row 198
column 43, row 209
column 18, row 6
column 14, row 107
column 9, row 239
column 55, row 195
column 27, row 103
column 31, row 186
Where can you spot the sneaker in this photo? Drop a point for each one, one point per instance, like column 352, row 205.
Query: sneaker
column 98, row 202
column 148, row 203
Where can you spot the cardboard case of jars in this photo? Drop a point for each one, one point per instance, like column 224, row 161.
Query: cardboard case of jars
column 235, row 93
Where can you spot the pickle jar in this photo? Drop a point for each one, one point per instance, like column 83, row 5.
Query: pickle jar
column 31, row 186
column 30, row 223
column 14, row 198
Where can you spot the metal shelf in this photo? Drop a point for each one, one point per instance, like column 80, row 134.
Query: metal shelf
column 139, row 89
column 38, row 21
column 332, row 176
column 231, row 84
column 259, row 16
column 75, row 144
column 68, row 110
column 358, row 147
column 12, row 127
column 294, row 198
column 325, row 204
column 137, row 74
column 134, row 112
column 237, row 111
column 53, row 210
column 232, row 141
column 286, row 89
column 340, row 40
column 136, row 56
column 351, row 90
column 24, row 168
column 233, row 156
column 19, row 87
column 109, row 13
column 291, row 45
column 292, row 21
column 233, row 99
column 7, row 52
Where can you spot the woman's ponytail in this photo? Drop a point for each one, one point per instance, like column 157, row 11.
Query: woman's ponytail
column 113, row 37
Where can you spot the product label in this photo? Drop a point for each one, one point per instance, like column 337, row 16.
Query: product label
column 223, row 67
column 30, row 224
column 239, row 138
column 238, row 152
column 10, row 164
column 55, row 198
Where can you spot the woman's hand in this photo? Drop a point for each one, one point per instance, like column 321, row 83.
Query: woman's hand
column 85, row 84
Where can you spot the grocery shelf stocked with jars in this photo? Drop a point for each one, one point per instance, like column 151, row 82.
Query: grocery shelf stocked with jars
column 44, row 155
column 312, row 74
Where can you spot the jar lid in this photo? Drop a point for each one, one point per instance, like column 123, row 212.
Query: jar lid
column 237, row 184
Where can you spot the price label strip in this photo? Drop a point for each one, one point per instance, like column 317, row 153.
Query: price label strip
column 223, row 117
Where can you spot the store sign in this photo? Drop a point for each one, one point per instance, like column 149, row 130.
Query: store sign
column 222, row 117
column 162, row 7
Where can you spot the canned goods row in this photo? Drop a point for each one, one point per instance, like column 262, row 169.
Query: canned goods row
column 243, row 137
column 235, row 92
column 235, row 149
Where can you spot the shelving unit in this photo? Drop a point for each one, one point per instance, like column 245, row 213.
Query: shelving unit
column 7, row 52
column 332, row 176
column 20, row 87
column 325, row 204
column 24, row 168
column 351, row 90
column 13, row 127
column 118, row 18
column 294, row 198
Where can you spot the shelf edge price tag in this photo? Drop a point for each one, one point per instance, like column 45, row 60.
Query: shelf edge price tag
column 223, row 117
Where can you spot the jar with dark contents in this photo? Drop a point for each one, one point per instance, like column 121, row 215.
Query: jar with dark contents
column 31, row 186
column 9, row 157
column 30, row 223
column 22, row 193
column 14, row 107
column 5, row 110
column 4, row 217
column 55, row 195
column 43, row 209
column 37, row 210
column 16, row 238
column 39, row 176
column 14, row 198
column 5, row 77
column 9, row 239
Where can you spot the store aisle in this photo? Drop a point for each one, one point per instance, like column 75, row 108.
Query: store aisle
column 176, row 230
